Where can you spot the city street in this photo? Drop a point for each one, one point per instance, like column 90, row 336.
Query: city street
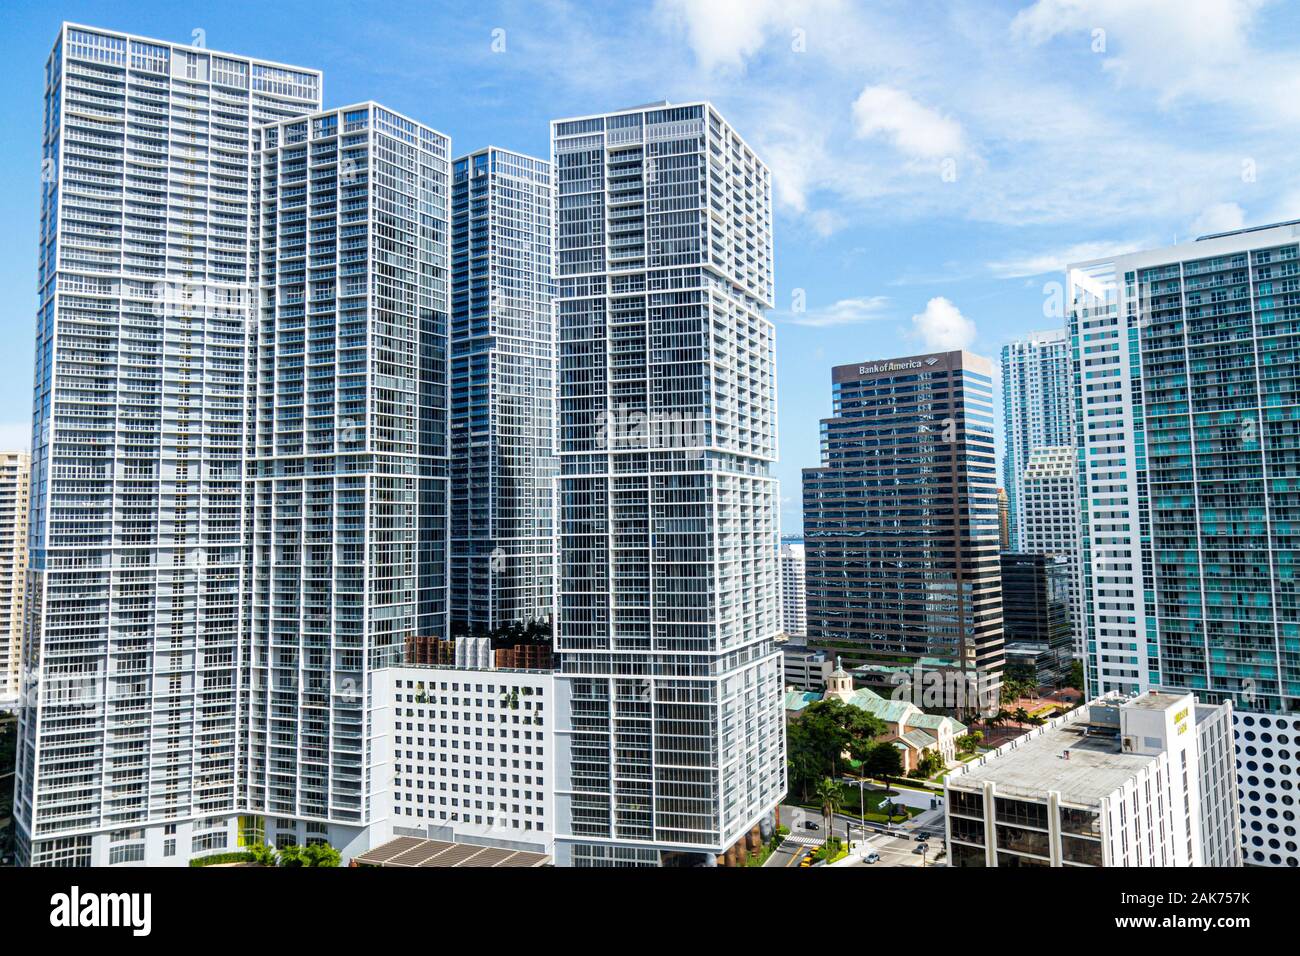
column 896, row 848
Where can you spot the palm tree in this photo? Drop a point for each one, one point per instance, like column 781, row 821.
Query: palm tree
column 831, row 797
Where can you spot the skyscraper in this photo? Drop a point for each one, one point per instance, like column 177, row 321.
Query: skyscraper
column 347, row 450
column 1049, row 518
column 138, row 494
column 1039, row 640
column 794, row 612
column 901, row 524
column 15, row 474
column 502, row 391
column 1036, row 410
column 1188, row 383
column 671, row 743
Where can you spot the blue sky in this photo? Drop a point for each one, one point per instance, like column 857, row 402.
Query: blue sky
column 935, row 163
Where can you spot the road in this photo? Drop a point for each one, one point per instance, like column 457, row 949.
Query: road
column 896, row 848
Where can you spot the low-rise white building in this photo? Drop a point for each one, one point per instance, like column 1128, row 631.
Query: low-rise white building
column 464, row 755
column 1143, row 781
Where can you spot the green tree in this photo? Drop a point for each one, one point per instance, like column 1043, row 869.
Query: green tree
column 883, row 762
column 262, row 854
column 969, row 743
column 801, row 756
column 862, row 730
column 316, row 854
column 831, row 798
column 929, row 763
column 814, row 749
column 1076, row 678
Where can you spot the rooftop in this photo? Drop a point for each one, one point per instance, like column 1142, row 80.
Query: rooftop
column 415, row 852
column 1036, row 764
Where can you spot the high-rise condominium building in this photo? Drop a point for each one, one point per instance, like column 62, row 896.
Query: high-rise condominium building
column 347, row 448
column 15, row 472
column 1049, row 517
column 671, row 742
column 502, row 392
column 1144, row 781
column 794, row 614
column 901, row 524
column 1036, row 411
column 138, row 495
column 1187, row 385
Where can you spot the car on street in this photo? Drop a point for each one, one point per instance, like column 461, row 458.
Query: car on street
column 871, row 857
column 811, row 825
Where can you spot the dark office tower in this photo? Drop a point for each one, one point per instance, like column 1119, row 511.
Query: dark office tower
column 901, row 525
column 502, row 392
column 1036, row 625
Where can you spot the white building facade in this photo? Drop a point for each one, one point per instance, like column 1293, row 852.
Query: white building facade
column 1146, row 781
column 1049, row 517
column 670, row 745
column 138, row 496
column 464, row 754
column 1036, row 411
column 347, row 447
column 794, row 598
column 15, row 483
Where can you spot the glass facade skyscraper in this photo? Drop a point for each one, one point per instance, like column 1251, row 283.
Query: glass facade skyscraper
column 347, row 445
column 502, row 392
column 138, row 493
column 240, row 450
column 1191, row 507
column 1039, row 641
column 1036, row 411
column 670, row 745
column 901, row 525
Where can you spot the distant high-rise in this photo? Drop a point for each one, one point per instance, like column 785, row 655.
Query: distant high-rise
column 502, row 392
column 137, row 578
column 1004, row 520
column 1036, row 628
column 15, row 474
column 1049, row 518
column 1036, row 410
column 794, row 613
column 1187, row 383
column 901, row 523
column 671, row 742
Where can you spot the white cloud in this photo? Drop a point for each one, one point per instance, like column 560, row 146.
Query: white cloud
column 1183, row 49
column 1055, row 260
column 914, row 129
column 844, row 312
column 1218, row 217
column 726, row 33
column 942, row 327
column 15, row 436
